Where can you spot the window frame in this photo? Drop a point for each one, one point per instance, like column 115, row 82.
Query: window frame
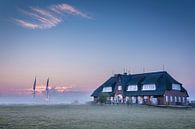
column 135, row 88
column 176, row 99
column 119, row 88
column 107, row 89
column 176, row 87
column 148, row 87
column 167, row 98
column 171, row 98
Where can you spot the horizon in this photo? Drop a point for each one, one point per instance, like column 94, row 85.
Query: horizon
column 79, row 45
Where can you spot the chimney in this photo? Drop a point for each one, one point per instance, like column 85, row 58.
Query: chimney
column 125, row 73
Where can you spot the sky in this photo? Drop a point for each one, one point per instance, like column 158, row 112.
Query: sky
column 80, row 44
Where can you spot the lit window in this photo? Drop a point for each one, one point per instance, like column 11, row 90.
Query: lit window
column 183, row 99
column 171, row 98
column 146, row 97
column 107, row 89
column 176, row 87
column 133, row 99
column 149, row 87
column 132, row 88
column 119, row 87
column 179, row 99
column 167, row 98
column 175, row 98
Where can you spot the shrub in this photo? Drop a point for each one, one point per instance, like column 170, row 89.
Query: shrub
column 103, row 98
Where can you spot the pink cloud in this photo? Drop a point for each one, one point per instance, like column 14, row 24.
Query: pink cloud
column 66, row 8
column 45, row 18
column 26, row 24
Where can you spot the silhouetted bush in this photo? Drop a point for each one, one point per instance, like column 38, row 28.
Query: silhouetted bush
column 103, row 98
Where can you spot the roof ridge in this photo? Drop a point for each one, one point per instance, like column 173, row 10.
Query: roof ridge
column 142, row 73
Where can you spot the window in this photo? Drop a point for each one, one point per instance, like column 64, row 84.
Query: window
column 167, row 98
column 107, row 89
column 119, row 87
column 183, row 99
column 176, row 87
column 175, row 98
column 140, row 100
column 179, row 99
column 171, row 98
column 153, row 100
column 146, row 97
column 132, row 88
column 149, row 87
column 133, row 99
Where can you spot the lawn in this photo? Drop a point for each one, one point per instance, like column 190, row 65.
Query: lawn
column 95, row 117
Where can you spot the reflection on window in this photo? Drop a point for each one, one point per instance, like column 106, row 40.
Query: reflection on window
column 132, row 88
column 119, row 87
column 176, row 87
column 107, row 89
column 149, row 87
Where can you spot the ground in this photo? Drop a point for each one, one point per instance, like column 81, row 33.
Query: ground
column 95, row 117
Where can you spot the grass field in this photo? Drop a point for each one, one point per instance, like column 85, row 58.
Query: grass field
column 95, row 117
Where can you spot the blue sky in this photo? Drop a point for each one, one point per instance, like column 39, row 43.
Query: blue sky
column 83, row 42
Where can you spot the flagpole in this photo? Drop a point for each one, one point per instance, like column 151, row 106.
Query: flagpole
column 34, row 87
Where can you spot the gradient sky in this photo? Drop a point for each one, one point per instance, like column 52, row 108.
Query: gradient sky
column 80, row 44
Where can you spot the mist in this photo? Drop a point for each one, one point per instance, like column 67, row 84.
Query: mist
column 42, row 99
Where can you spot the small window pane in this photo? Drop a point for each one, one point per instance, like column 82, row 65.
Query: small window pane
column 107, row 89
column 132, row 88
column 149, row 87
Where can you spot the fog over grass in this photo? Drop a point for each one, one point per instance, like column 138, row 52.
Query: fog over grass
column 64, row 98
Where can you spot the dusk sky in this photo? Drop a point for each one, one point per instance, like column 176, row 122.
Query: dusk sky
column 79, row 44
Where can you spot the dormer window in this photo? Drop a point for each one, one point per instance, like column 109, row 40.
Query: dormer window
column 132, row 88
column 119, row 87
column 149, row 87
column 107, row 89
column 176, row 87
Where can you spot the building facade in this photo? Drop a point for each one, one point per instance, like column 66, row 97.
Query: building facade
column 156, row 88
